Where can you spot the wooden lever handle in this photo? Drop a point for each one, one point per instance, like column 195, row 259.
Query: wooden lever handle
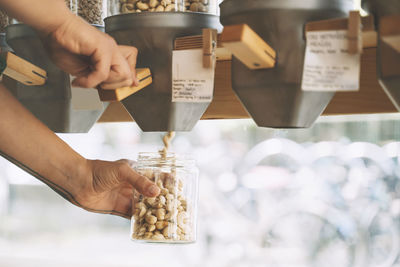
column 246, row 45
column 145, row 79
column 389, row 28
column 22, row 70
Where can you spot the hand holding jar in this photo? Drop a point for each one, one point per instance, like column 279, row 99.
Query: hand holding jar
column 171, row 216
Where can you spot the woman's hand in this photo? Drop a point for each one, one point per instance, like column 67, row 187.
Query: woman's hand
column 97, row 186
column 108, row 188
column 90, row 55
column 75, row 46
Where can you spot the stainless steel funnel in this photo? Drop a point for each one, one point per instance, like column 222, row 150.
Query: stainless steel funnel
column 273, row 97
column 387, row 57
column 154, row 34
column 51, row 103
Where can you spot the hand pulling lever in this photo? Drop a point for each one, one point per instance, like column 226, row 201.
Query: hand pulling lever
column 145, row 79
column 28, row 74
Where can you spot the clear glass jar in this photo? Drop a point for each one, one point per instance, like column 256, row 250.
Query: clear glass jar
column 93, row 11
column 72, row 5
column 138, row 6
column 172, row 216
column 4, row 21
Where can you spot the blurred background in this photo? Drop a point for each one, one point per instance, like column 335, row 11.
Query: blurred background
column 325, row 196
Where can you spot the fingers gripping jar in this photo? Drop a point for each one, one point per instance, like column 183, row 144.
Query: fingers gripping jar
column 170, row 217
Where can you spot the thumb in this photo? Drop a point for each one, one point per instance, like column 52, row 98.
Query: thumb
column 141, row 183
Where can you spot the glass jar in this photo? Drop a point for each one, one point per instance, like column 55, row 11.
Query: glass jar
column 72, row 5
column 138, row 6
column 170, row 217
column 93, row 11
column 4, row 21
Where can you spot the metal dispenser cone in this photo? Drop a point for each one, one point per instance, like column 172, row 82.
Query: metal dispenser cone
column 51, row 103
column 273, row 97
column 154, row 34
column 387, row 18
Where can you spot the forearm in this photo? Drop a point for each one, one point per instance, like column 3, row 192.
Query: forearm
column 25, row 141
column 43, row 15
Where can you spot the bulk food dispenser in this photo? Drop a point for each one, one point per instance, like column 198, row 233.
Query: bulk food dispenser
column 152, row 26
column 273, row 97
column 57, row 104
column 387, row 18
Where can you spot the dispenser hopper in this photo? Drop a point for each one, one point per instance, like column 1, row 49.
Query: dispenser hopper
column 273, row 97
column 53, row 102
column 154, row 34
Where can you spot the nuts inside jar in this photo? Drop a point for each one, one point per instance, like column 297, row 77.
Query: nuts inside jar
column 91, row 11
column 167, row 217
column 137, row 6
column 4, row 21
column 72, row 5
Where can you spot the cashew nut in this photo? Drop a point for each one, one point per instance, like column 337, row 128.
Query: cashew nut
column 150, row 219
column 160, row 214
column 153, row 3
column 161, row 225
column 143, row 6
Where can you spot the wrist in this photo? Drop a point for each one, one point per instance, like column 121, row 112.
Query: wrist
column 59, row 26
column 44, row 15
column 56, row 15
column 78, row 177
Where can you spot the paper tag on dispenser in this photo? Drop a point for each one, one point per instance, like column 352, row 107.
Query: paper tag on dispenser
column 191, row 82
column 328, row 66
column 85, row 98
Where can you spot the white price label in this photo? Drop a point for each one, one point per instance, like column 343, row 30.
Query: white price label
column 191, row 82
column 328, row 66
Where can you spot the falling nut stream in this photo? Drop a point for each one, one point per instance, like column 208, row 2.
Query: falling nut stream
column 167, row 139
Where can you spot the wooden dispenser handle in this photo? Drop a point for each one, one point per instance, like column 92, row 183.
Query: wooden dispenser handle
column 246, row 45
column 21, row 70
column 145, row 79
column 390, row 31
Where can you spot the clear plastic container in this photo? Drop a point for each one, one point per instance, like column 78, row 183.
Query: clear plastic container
column 138, row 6
column 171, row 217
